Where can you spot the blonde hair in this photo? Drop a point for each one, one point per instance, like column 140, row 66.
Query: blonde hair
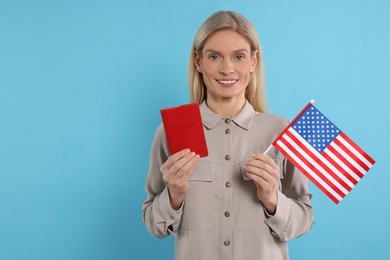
column 228, row 20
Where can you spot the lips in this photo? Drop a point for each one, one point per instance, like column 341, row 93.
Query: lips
column 227, row 82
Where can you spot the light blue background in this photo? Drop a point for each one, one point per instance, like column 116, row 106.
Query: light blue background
column 81, row 85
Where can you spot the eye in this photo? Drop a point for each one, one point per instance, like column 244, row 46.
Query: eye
column 239, row 57
column 213, row 57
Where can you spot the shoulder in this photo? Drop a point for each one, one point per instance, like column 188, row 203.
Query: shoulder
column 272, row 121
column 159, row 135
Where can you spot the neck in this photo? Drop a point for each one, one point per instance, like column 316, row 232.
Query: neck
column 226, row 108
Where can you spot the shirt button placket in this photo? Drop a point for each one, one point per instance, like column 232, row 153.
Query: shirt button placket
column 227, row 191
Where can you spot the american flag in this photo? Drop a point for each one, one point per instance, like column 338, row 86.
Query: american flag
column 321, row 151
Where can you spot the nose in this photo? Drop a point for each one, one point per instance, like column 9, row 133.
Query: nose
column 226, row 67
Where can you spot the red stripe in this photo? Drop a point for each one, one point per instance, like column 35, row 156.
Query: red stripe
column 335, row 200
column 339, row 167
column 303, row 146
column 291, row 123
column 354, row 145
column 345, row 161
column 351, row 154
column 310, row 165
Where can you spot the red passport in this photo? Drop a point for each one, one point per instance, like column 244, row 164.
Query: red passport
column 184, row 129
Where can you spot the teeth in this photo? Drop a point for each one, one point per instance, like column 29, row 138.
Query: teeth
column 227, row 81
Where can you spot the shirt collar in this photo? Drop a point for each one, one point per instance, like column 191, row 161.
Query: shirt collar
column 243, row 119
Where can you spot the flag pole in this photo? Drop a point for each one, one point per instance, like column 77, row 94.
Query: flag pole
column 267, row 150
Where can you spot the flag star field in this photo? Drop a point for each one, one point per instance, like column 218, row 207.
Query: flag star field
column 316, row 129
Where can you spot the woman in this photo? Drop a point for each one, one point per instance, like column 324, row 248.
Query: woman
column 236, row 203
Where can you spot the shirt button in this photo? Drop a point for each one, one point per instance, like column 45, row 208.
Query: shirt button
column 227, row 214
column 228, row 184
column 227, row 157
column 226, row 243
column 227, row 120
column 172, row 218
column 227, row 131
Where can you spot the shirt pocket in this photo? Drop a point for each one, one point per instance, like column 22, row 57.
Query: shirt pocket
column 197, row 208
column 251, row 211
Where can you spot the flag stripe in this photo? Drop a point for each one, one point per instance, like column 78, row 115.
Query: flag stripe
column 350, row 156
column 364, row 157
column 307, row 171
column 308, row 158
column 328, row 158
column 317, row 169
column 370, row 161
column 318, row 158
column 341, row 164
column 334, row 149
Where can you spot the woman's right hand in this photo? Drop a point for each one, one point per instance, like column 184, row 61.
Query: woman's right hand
column 176, row 171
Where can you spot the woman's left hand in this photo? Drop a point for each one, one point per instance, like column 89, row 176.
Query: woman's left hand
column 265, row 173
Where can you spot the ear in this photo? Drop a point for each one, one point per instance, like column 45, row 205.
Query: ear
column 197, row 62
column 254, row 60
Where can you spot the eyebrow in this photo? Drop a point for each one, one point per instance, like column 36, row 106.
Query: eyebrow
column 235, row 51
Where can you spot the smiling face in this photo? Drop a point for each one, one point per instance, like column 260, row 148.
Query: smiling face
column 226, row 63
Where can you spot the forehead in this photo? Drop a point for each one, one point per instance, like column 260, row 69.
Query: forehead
column 226, row 41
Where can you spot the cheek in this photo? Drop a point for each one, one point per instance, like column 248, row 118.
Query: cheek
column 207, row 79
column 246, row 70
column 208, row 69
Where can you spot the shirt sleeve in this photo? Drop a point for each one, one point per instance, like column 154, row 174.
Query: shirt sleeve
column 158, row 215
column 294, row 214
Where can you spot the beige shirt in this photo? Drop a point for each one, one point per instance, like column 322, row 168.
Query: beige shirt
column 221, row 217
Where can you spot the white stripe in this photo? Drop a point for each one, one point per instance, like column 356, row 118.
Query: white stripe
column 341, row 164
column 354, row 151
column 347, row 157
column 316, row 165
column 308, row 170
column 321, row 158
